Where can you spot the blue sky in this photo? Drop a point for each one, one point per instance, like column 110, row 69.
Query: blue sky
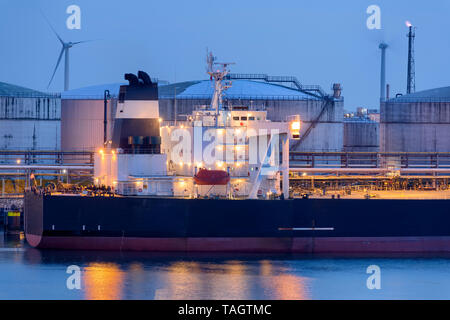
column 319, row 42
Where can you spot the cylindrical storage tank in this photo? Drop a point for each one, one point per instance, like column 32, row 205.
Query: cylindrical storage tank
column 29, row 119
column 82, row 124
column 361, row 135
column 82, row 117
column 418, row 122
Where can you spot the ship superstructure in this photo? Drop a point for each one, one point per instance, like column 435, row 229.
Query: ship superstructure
column 219, row 151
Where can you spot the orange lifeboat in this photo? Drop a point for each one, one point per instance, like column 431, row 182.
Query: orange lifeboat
column 206, row 177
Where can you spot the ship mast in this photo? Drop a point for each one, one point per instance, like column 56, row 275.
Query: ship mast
column 217, row 72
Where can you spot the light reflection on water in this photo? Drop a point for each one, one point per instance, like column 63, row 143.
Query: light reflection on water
column 103, row 281
column 27, row 273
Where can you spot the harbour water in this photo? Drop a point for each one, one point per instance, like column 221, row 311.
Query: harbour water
column 27, row 273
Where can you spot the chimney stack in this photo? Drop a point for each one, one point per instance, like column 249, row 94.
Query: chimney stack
column 383, row 46
column 337, row 90
column 411, row 80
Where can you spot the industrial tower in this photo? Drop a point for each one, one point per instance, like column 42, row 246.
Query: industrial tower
column 383, row 46
column 411, row 80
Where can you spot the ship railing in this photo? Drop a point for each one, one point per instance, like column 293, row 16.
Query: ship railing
column 280, row 79
column 141, row 150
column 369, row 160
column 246, row 98
column 29, row 157
column 229, row 106
column 35, row 94
column 406, row 99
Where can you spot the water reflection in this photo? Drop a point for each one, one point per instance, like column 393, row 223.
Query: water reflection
column 136, row 281
column 228, row 279
column 12, row 240
column 12, row 243
column 182, row 281
column 234, row 283
column 103, row 281
column 289, row 287
column 233, row 280
column 125, row 275
column 281, row 284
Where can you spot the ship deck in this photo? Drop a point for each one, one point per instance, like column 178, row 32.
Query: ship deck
column 375, row 194
column 391, row 194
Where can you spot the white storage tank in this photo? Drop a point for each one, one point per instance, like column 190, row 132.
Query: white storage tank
column 361, row 135
column 29, row 119
column 418, row 122
column 82, row 117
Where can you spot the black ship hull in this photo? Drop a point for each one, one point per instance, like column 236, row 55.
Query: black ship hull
column 257, row 226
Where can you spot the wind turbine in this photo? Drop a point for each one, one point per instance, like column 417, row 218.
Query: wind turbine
column 64, row 50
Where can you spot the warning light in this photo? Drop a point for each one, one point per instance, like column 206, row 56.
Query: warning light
column 295, row 129
column 295, row 126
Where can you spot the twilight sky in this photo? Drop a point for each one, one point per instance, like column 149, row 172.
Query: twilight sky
column 319, row 42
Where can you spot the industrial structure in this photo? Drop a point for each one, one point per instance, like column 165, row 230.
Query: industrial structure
column 411, row 77
column 83, row 117
column 30, row 132
column 361, row 135
column 362, row 130
column 417, row 122
column 29, row 119
column 383, row 46
column 321, row 114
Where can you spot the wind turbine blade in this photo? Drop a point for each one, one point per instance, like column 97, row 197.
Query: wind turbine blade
column 57, row 35
column 57, row 64
column 74, row 43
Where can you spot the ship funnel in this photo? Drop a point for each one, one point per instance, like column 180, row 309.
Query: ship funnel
column 144, row 77
column 136, row 126
column 132, row 79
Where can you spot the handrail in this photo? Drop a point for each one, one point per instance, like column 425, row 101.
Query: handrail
column 264, row 77
column 370, row 160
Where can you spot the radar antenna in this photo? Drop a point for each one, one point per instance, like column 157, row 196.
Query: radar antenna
column 217, row 72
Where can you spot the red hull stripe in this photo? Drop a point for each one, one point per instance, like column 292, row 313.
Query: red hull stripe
column 249, row 245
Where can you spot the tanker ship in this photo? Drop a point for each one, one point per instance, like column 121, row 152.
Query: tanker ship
column 217, row 182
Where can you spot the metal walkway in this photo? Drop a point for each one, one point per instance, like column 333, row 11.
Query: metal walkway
column 369, row 166
column 313, row 90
